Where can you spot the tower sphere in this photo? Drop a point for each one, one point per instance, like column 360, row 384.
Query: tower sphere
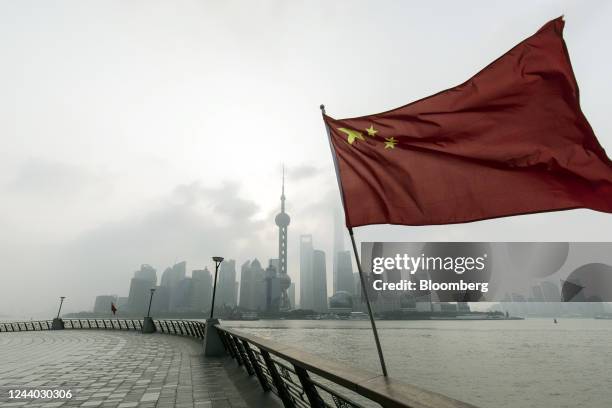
column 282, row 219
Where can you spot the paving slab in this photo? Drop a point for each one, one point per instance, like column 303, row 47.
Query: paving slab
column 106, row 368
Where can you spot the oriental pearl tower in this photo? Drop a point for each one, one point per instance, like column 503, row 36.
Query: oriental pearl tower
column 282, row 220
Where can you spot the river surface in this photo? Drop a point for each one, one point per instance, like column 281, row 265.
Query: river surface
column 525, row 363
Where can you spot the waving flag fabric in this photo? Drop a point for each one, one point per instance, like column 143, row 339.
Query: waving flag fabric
column 510, row 140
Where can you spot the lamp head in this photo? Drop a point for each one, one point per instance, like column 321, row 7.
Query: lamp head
column 152, row 290
column 217, row 258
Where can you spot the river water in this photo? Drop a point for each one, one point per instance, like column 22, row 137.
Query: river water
column 513, row 363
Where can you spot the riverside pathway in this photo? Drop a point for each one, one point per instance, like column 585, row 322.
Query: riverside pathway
column 122, row 369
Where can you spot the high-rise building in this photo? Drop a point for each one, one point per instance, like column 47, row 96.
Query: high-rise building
column 338, row 248
column 171, row 279
column 291, row 294
column 306, row 288
column 182, row 297
column 161, row 300
column 273, row 291
column 202, row 290
column 146, row 272
column 282, row 220
column 102, row 304
column 226, row 284
column 319, row 282
column 143, row 281
column 344, row 272
column 252, row 286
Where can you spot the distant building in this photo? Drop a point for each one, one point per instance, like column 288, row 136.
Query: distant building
column 319, row 282
column 140, row 289
column 143, row 281
column 202, row 290
column 146, row 272
column 171, row 279
column 122, row 302
column 252, row 286
column 306, row 282
column 275, row 294
column 161, row 300
column 339, row 232
column 102, row 304
column 341, row 302
column 291, row 294
column 227, row 287
column 182, row 296
column 344, row 273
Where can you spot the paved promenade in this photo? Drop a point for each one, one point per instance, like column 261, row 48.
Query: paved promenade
column 122, row 369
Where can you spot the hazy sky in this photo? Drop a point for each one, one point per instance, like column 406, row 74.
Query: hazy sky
column 149, row 132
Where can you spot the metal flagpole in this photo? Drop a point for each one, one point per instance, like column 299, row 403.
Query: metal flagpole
column 367, row 299
column 361, row 276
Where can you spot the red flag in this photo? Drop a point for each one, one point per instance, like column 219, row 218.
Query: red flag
column 511, row 140
column 113, row 308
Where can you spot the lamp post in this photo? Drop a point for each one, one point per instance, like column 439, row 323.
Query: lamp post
column 218, row 260
column 58, row 324
column 60, row 306
column 150, row 301
column 148, row 326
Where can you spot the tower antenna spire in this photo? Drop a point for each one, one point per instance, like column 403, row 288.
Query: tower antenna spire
column 283, row 191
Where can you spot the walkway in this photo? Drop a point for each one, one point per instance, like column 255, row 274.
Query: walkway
column 122, row 369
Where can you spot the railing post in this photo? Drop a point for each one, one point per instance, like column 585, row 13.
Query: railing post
column 236, row 352
column 311, row 392
column 255, row 364
column 278, row 381
column 245, row 359
column 226, row 343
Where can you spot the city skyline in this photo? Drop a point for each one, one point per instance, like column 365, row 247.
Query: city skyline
column 163, row 138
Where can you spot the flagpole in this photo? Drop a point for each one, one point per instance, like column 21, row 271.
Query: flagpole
column 367, row 299
column 364, row 290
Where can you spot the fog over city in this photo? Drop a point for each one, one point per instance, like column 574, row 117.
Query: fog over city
column 155, row 132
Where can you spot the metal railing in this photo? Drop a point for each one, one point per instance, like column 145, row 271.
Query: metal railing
column 298, row 378
column 301, row 379
column 179, row 327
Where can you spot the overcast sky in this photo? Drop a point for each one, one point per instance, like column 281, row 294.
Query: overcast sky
column 150, row 132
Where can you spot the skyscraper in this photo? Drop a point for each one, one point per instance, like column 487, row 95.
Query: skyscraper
column 202, row 290
column 227, row 292
column 252, row 286
column 319, row 282
column 306, row 288
column 171, row 279
column 143, row 280
column 344, row 272
column 338, row 247
column 282, row 221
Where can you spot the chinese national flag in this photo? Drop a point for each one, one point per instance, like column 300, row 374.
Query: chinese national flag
column 113, row 308
column 511, row 140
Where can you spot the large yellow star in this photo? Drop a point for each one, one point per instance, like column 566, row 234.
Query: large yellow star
column 390, row 143
column 371, row 131
column 352, row 135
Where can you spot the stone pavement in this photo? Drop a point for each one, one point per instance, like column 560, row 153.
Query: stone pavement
column 122, row 369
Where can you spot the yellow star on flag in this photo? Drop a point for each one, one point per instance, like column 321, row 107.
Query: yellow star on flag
column 390, row 143
column 371, row 131
column 352, row 135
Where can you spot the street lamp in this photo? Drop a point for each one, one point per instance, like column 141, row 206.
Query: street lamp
column 218, row 260
column 60, row 306
column 150, row 301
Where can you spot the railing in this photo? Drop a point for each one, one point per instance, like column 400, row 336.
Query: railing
column 298, row 378
column 179, row 327
column 301, row 379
